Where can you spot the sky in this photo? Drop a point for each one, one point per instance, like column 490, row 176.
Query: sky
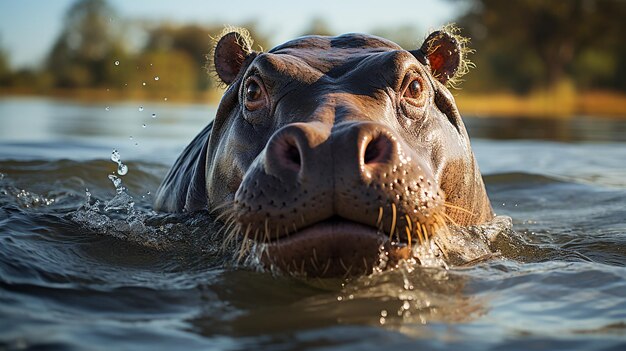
column 28, row 28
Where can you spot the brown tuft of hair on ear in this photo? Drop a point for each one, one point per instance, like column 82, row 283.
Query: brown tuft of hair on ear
column 447, row 52
column 229, row 50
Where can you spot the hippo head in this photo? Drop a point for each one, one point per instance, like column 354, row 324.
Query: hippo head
column 325, row 149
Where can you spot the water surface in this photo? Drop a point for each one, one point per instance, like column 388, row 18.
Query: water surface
column 74, row 275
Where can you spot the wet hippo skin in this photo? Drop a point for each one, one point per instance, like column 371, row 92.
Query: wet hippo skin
column 325, row 150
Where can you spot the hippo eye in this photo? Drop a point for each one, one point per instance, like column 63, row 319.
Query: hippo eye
column 253, row 91
column 414, row 90
column 254, row 94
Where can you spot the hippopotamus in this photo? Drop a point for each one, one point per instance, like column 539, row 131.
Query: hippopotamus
column 326, row 151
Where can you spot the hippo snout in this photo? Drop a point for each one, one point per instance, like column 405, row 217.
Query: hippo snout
column 356, row 175
column 296, row 148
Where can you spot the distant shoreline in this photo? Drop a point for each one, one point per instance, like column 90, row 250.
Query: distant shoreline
column 210, row 97
column 593, row 103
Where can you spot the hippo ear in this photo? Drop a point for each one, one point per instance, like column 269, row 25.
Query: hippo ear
column 233, row 46
column 446, row 52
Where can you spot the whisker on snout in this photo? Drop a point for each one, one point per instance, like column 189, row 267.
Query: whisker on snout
column 449, row 219
column 379, row 221
column 455, row 207
column 227, row 205
column 393, row 221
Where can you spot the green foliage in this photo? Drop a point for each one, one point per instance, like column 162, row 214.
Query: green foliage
column 409, row 37
column 188, row 45
column 531, row 44
column 177, row 72
column 318, row 26
column 86, row 52
column 595, row 68
column 521, row 46
column 87, row 44
column 4, row 67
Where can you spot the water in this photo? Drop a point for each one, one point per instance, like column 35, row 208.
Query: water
column 74, row 275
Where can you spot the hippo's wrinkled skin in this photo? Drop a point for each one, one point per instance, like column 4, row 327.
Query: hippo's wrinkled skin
column 325, row 147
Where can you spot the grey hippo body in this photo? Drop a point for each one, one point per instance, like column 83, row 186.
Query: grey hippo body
column 326, row 149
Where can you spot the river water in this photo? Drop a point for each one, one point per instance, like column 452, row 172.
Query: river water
column 88, row 266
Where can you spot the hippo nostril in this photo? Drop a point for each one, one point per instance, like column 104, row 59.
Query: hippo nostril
column 283, row 154
column 293, row 155
column 288, row 154
column 377, row 150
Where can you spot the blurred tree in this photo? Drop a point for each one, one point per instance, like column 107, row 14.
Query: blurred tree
column 527, row 44
column 86, row 46
column 407, row 36
column 4, row 67
column 318, row 26
column 189, row 46
column 172, row 73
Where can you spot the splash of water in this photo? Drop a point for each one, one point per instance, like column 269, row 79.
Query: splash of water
column 122, row 200
column 122, row 169
column 118, row 217
column 22, row 197
column 28, row 199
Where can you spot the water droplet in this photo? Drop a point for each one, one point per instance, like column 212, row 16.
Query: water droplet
column 136, row 144
column 122, row 169
column 156, row 78
column 125, row 84
column 143, row 125
column 140, row 108
column 154, row 115
column 144, row 84
column 117, row 63
column 115, row 156
column 108, row 89
column 130, row 137
column 107, row 108
column 164, row 99
column 148, row 193
column 117, row 182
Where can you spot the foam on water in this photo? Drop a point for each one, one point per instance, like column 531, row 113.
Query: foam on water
column 119, row 217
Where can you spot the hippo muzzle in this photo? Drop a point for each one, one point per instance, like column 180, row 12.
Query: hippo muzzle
column 328, row 152
column 327, row 198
